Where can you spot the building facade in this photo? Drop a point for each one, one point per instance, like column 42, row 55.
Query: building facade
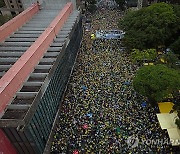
column 12, row 7
column 49, row 4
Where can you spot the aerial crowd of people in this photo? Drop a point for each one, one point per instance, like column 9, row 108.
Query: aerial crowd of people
column 101, row 110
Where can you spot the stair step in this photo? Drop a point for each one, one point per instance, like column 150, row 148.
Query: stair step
column 21, row 39
column 52, row 49
column 51, row 54
column 32, row 29
column 1, row 74
column 20, row 44
column 19, row 54
column 4, row 67
column 25, row 36
column 60, row 40
column 18, row 106
column 57, row 44
column 33, row 84
column 13, row 48
column 51, row 60
column 11, row 54
column 8, row 59
column 38, row 75
column 26, row 95
column 29, row 32
column 36, row 25
column 43, row 66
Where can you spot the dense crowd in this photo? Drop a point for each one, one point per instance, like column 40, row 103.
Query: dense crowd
column 101, row 110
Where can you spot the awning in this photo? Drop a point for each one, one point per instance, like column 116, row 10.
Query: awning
column 174, row 134
column 167, row 121
column 165, row 107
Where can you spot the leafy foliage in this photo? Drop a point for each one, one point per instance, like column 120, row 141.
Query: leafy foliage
column 150, row 27
column 175, row 40
column 176, row 108
column 4, row 19
column 177, row 122
column 2, row 3
column 170, row 59
column 156, row 82
column 175, row 46
column 173, row 1
column 149, row 55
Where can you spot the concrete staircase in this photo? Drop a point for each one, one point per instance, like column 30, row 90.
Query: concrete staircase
column 12, row 49
column 14, row 46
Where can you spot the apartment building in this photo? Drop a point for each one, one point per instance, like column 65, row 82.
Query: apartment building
column 12, row 7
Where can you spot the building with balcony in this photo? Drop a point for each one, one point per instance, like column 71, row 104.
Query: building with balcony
column 12, row 7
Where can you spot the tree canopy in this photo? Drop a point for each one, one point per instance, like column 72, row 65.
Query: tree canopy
column 156, row 82
column 2, row 3
column 151, row 27
column 4, row 19
column 170, row 59
column 148, row 55
column 175, row 41
column 170, row 1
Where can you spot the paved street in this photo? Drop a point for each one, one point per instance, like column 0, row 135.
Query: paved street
column 101, row 110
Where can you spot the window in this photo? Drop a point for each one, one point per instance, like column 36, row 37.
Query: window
column 10, row 1
column 19, row 1
column 20, row 6
column 12, row 6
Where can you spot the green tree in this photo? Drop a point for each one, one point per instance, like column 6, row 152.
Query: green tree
column 175, row 46
column 145, row 55
column 149, row 27
column 175, row 40
column 170, row 59
column 2, row 3
column 170, row 1
column 177, row 122
column 4, row 19
column 176, row 108
column 156, row 82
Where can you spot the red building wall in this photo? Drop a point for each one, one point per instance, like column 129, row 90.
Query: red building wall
column 5, row 145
